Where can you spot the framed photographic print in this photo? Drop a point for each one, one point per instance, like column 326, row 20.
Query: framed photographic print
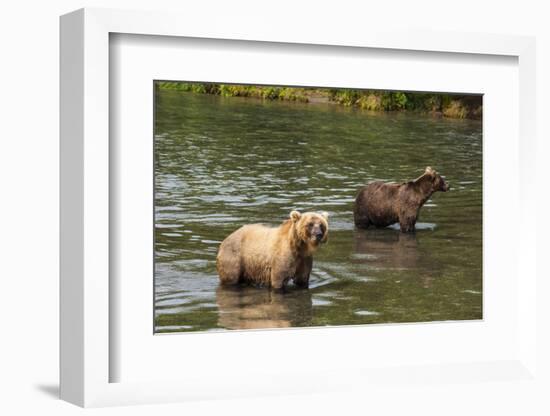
column 264, row 214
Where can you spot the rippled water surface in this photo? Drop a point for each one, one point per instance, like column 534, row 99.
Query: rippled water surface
column 224, row 162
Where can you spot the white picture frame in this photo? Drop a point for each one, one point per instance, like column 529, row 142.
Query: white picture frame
column 86, row 356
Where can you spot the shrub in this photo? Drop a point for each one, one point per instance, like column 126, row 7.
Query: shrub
column 370, row 102
column 455, row 109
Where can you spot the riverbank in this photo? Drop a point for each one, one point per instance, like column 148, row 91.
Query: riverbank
column 446, row 105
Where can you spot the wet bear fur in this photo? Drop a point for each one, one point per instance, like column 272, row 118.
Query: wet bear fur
column 381, row 204
column 271, row 256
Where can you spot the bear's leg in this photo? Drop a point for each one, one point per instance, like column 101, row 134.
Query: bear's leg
column 301, row 278
column 362, row 221
column 279, row 273
column 230, row 276
column 229, row 269
column 278, row 283
column 407, row 224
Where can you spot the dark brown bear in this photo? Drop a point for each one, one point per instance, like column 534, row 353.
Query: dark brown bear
column 382, row 204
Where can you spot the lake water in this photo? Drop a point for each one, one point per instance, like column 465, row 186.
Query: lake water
column 221, row 163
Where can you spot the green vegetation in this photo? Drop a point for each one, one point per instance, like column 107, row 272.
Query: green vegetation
column 447, row 105
column 229, row 90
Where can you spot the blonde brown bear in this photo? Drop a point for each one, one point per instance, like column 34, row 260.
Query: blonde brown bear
column 271, row 256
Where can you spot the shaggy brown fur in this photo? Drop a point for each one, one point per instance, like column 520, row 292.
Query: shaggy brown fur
column 382, row 204
column 261, row 255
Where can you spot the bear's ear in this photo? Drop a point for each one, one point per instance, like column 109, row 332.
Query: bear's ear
column 324, row 214
column 429, row 171
column 295, row 216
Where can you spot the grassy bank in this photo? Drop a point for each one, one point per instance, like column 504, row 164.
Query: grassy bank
column 447, row 105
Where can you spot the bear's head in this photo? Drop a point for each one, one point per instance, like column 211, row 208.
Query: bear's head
column 311, row 227
column 438, row 183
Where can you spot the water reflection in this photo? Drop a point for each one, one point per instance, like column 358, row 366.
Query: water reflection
column 256, row 308
column 384, row 248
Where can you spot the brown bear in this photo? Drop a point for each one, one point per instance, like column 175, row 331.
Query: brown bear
column 382, row 204
column 271, row 256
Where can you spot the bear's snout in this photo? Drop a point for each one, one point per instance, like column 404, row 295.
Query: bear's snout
column 319, row 235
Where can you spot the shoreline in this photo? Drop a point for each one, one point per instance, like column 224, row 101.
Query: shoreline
column 439, row 105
